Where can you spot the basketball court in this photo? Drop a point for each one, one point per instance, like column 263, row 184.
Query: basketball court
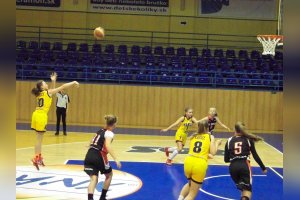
column 145, row 60
column 144, row 174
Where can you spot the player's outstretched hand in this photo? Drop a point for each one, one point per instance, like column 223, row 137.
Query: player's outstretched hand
column 210, row 156
column 119, row 165
column 219, row 142
column 265, row 171
column 53, row 76
column 76, row 84
column 229, row 129
column 163, row 130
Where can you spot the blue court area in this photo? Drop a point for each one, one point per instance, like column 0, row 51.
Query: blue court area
column 162, row 182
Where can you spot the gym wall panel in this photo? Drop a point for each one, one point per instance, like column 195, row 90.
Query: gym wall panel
column 73, row 15
column 158, row 107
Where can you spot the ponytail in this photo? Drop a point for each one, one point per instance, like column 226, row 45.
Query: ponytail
column 240, row 128
column 202, row 126
column 35, row 91
column 110, row 120
column 38, row 89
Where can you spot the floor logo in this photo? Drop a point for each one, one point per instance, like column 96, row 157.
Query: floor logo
column 69, row 181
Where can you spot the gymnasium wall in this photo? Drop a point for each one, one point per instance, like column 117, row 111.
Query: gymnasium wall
column 73, row 14
column 157, row 107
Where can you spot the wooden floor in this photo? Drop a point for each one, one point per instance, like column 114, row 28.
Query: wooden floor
column 57, row 149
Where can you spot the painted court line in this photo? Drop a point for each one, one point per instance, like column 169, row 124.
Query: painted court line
column 210, row 194
column 273, row 147
column 224, row 175
column 276, row 172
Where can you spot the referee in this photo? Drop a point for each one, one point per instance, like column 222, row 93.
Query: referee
column 62, row 102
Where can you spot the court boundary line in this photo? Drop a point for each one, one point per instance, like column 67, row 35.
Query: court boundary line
column 273, row 147
column 276, row 172
column 222, row 175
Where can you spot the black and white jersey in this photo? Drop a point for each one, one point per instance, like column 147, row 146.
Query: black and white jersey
column 98, row 142
column 240, row 147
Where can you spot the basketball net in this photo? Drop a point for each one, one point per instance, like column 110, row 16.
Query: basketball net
column 270, row 42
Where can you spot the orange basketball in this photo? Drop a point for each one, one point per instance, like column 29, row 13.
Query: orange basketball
column 99, row 33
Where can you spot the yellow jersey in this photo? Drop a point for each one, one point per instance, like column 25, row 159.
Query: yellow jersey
column 185, row 124
column 43, row 101
column 200, row 145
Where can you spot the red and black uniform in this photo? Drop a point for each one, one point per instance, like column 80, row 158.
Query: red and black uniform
column 211, row 124
column 96, row 158
column 237, row 151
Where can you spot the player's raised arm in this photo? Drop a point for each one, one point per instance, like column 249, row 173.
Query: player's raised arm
column 53, row 78
column 62, row 87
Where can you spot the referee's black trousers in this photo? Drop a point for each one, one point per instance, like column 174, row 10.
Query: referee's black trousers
column 61, row 114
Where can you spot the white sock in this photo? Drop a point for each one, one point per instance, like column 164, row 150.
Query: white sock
column 171, row 149
column 181, row 197
column 172, row 156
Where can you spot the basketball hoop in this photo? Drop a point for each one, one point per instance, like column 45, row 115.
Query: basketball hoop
column 270, row 42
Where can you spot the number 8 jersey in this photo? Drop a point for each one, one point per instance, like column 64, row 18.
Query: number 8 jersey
column 200, row 145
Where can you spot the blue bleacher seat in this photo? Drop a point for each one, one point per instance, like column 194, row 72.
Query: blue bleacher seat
column 83, row 47
column 170, row 51
column 21, row 44
column 181, row 52
column 158, row 50
column 255, row 55
column 278, row 55
column 230, row 53
column 96, row 48
column 243, row 54
column 231, row 81
column 72, row 46
column 190, row 79
column 204, row 80
column 57, row 46
column 219, row 53
column 193, row 52
column 122, row 49
column 33, row 45
column 206, row 53
column 135, row 49
column 45, row 46
column 109, row 48
column 146, row 50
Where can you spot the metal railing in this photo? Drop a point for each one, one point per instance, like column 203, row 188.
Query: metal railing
column 135, row 37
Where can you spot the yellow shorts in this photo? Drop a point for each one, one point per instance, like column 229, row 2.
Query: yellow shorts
column 39, row 120
column 181, row 137
column 195, row 169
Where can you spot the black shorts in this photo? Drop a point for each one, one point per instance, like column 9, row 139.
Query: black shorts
column 240, row 172
column 94, row 163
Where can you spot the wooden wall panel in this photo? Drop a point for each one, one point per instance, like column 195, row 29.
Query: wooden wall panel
column 157, row 107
